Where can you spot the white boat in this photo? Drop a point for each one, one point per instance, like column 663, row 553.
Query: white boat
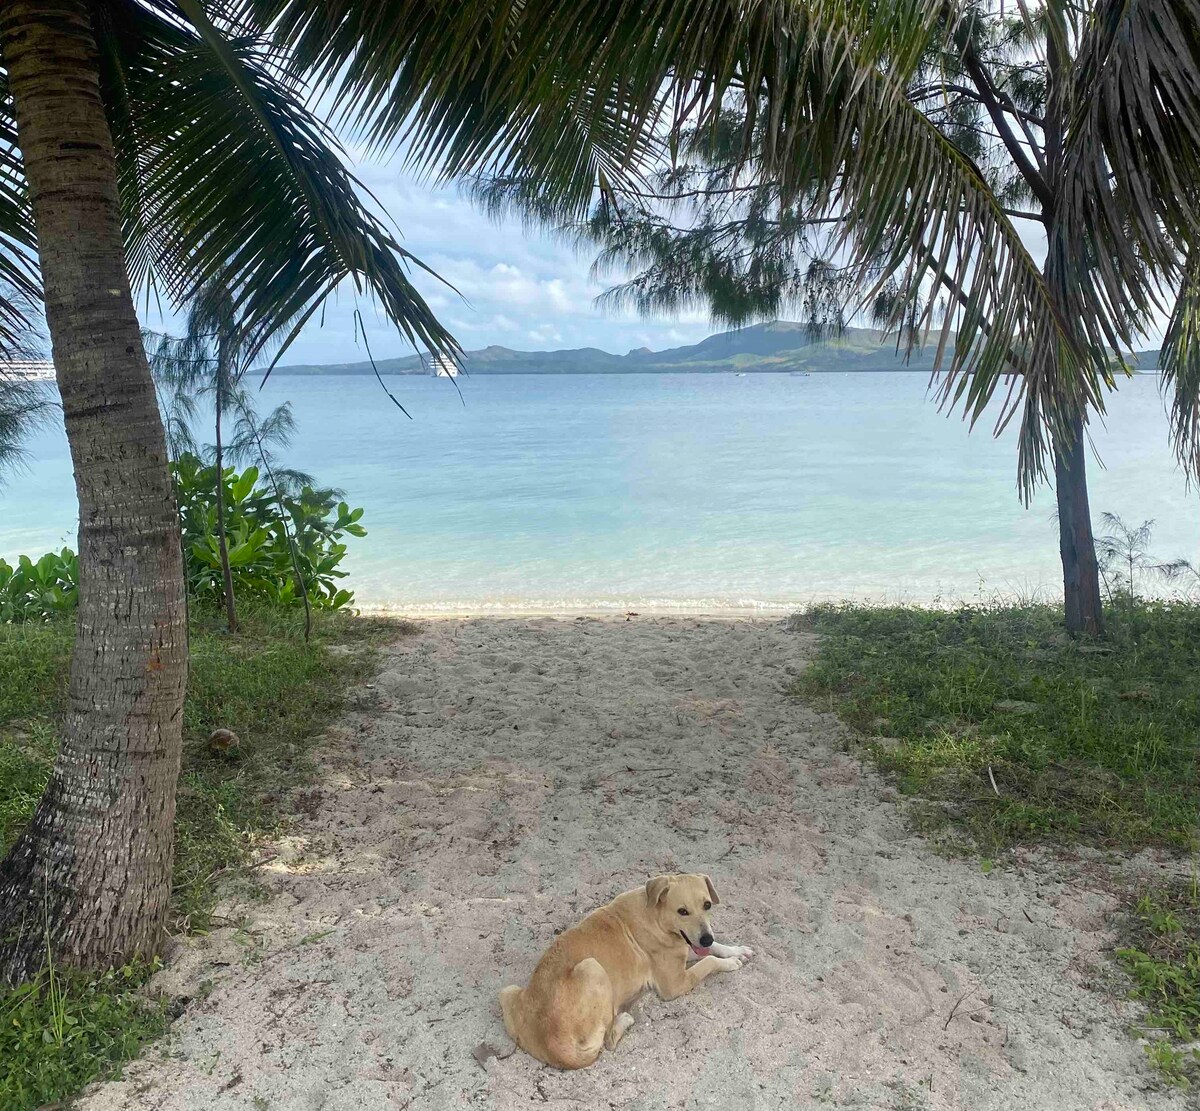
column 441, row 366
column 28, row 370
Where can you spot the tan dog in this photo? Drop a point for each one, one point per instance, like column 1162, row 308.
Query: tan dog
column 575, row 1003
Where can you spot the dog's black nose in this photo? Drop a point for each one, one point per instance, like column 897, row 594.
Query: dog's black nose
column 705, row 940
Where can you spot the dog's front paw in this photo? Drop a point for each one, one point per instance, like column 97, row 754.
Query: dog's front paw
column 742, row 953
column 731, row 964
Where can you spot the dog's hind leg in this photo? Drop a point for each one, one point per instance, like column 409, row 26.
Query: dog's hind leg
column 585, row 1004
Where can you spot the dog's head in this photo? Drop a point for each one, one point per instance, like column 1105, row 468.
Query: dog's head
column 681, row 907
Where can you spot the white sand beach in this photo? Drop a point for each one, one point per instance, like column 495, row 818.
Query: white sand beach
column 500, row 778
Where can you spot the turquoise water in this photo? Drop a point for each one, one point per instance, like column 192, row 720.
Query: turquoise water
column 706, row 491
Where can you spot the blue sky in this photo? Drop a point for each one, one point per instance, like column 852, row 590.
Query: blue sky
column 522, row 289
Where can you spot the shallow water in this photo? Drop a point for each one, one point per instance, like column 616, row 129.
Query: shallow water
column 690, row 491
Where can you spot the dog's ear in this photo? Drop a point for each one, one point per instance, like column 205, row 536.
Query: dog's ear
column 712, row 891
column 656, row 889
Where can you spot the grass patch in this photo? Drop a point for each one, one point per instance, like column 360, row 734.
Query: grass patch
column 277, row 693
column 1162, row 957
column 1091, row 742
column 62, row 1030
column 33, row 661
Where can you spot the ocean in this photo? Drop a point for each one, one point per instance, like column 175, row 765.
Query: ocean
column 690, row 492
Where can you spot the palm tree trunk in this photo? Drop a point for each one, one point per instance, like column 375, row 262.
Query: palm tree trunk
column 90, row 878
column 1076, row 544
column 222, row 545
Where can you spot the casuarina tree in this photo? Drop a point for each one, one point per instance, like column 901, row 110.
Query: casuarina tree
column 1069, row 130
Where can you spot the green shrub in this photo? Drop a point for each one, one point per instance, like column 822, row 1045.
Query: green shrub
column 260, row 554
column 263, row 552
column 39, row 591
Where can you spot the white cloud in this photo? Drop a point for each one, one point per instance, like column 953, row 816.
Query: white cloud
column 514, row 286
column 547, row 333
column 556, row 290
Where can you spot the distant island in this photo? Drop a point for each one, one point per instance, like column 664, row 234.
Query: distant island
column 782, row 346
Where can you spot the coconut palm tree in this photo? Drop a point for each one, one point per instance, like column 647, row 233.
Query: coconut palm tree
column 161, row 147
column 1078, row 125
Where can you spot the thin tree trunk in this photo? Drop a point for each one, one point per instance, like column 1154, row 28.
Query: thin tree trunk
column 1083, row 609
column 222, row 545
column 90, row 878
column 1077, row 545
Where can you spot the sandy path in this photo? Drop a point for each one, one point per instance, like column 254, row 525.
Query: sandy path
column 502, row 777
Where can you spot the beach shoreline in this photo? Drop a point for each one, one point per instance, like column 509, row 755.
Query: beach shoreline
column 517, row 610
column 534, row 612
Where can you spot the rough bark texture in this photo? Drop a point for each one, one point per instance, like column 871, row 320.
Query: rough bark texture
column 90, row 877
column 1076, row 544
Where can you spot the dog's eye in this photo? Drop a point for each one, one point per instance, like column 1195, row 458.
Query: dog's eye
column 708, row 906
column 683, row 911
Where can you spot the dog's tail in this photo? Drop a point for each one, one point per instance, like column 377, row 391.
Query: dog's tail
column 510, row 1000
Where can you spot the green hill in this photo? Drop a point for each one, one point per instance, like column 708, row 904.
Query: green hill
column 779, row 347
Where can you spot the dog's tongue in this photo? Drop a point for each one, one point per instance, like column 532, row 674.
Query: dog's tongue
column 702, row 952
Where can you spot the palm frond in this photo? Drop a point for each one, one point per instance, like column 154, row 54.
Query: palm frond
column 20, row 281
column 475, row 84
column 567, row 96
column 227, row 177
column 928, row 221
column 1179, row 361
column 1131, row 162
